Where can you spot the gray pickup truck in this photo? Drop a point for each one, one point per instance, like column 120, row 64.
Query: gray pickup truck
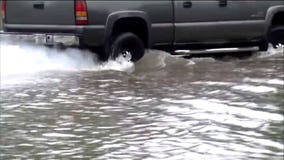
column 127, row 28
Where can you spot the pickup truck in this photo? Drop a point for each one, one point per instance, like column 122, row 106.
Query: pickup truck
column 128, row 27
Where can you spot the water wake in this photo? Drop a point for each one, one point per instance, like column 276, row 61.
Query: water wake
column 158, row 60
column 23, row 58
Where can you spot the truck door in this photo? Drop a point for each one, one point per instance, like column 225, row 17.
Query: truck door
column 212, row 21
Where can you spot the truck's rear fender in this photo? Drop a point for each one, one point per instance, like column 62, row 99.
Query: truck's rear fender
column 271, row 13
column 122, row 15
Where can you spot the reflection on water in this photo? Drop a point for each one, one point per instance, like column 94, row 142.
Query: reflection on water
column 167, row 108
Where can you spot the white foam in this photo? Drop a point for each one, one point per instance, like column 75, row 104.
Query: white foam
column 212, row 83
column 267, row 81
column 128, row 98
column 37, row 107
column 8, row 107
column 59, row 135
column 255, row 89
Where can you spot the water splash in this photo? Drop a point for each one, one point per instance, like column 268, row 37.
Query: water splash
column 19, row 59
column 278, row 51
column 23, row 58
column 22, row 63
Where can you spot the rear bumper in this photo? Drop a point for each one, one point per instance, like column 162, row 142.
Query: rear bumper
column 40, row 38
column 91, row 35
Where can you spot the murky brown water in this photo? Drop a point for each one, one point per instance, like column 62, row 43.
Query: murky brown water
column 165, row 108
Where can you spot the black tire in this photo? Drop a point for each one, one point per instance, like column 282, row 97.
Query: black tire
column 276, row 35
column 127, row 43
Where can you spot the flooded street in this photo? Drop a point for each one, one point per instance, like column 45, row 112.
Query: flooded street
column 65, row 105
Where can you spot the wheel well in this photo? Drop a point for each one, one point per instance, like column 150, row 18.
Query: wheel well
column 137, row 26
column 278, row 19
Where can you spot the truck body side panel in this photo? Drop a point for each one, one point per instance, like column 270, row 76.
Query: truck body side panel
column 169, row 21
column 208, row 22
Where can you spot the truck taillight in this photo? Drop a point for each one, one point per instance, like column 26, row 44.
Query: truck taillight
column 81, row 12
column 3, row 11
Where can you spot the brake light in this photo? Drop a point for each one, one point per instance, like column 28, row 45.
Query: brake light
column 3, row 11
column 81, row 12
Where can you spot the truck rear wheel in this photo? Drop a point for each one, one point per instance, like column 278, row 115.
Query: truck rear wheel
column 127, row 45
column 276, row 35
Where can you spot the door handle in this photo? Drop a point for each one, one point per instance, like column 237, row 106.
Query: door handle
column 187, row 4
column 223, row 3
column 39, row 5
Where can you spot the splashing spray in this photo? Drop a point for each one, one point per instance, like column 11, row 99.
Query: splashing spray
column 22, row 58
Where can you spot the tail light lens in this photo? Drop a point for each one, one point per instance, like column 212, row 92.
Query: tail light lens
column 3, row 11
column 81, row 12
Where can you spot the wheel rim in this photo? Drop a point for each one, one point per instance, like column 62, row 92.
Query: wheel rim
column 127, row 47
column 126, row 54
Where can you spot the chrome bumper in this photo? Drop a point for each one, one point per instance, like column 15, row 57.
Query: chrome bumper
column 42, row 39
column 52, row 39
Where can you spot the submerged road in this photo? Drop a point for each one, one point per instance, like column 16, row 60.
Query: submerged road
column 64, row 105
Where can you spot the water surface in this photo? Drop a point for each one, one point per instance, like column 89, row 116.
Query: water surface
column 68, row 106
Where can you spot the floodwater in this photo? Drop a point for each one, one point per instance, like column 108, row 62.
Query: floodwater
column 65, row 105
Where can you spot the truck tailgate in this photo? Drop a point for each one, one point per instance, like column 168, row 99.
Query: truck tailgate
column 60, row 12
